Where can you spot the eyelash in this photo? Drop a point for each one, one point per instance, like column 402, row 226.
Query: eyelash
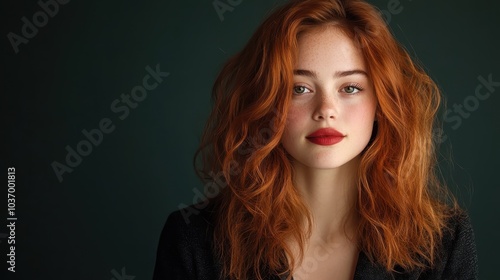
column 353, row 85
column 356, row 86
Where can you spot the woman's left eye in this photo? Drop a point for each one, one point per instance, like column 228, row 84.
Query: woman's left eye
column 352, row 89
column 298, row 90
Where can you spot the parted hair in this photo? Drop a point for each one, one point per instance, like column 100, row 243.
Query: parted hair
column 401, row 203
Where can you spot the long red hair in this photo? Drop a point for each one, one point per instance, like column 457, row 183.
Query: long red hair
column 400, row 201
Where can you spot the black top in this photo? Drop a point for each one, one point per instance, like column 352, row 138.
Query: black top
column 185, row 252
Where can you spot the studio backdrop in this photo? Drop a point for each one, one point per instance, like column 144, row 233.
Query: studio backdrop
column 104, row 103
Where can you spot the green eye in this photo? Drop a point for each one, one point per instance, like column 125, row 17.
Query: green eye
column 351, row 89
column 298, row 90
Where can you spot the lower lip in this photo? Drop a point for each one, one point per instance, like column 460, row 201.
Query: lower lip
column 326, row 140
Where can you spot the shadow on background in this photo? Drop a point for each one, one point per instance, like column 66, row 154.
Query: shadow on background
column 104, row 104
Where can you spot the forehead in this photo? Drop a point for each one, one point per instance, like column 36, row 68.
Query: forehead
column 328, row 46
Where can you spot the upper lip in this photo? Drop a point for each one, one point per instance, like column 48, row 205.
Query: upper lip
column 325, row 132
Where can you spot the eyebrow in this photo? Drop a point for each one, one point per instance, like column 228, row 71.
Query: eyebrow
column 338, row 74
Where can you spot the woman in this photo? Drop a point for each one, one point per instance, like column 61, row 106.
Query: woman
column 322, row 133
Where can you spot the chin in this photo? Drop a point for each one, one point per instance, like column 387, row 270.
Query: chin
column 323, row 165
column 326, row 166
column 332, row 162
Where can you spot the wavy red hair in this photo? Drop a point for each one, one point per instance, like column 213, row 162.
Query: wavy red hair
column 400, row 201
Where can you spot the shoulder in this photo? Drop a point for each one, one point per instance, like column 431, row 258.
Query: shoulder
column 459, row 228
column 185, row 246
column 458, row 255
column 191, row 222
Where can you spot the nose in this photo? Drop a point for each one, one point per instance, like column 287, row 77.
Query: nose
column 324, row 108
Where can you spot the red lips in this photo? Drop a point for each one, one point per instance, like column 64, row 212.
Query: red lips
column 325, row 137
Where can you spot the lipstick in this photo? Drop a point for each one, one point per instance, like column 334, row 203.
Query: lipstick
column 325, row 137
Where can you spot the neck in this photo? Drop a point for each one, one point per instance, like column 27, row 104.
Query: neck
column 331, row 196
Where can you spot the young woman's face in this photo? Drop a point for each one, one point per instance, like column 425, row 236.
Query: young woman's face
column 331, row 116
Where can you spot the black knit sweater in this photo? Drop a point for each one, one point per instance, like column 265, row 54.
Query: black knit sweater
column 185, row 252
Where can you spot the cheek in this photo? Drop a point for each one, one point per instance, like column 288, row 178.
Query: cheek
column 294, row 127
column 294, row 119
column 361, row 116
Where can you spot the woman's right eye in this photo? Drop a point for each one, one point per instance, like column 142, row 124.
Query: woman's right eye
column 299, row 90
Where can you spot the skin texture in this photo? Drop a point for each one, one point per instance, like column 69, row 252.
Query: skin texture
column 339, row 96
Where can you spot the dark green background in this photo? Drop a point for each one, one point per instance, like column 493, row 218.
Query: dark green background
column 108, row 213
